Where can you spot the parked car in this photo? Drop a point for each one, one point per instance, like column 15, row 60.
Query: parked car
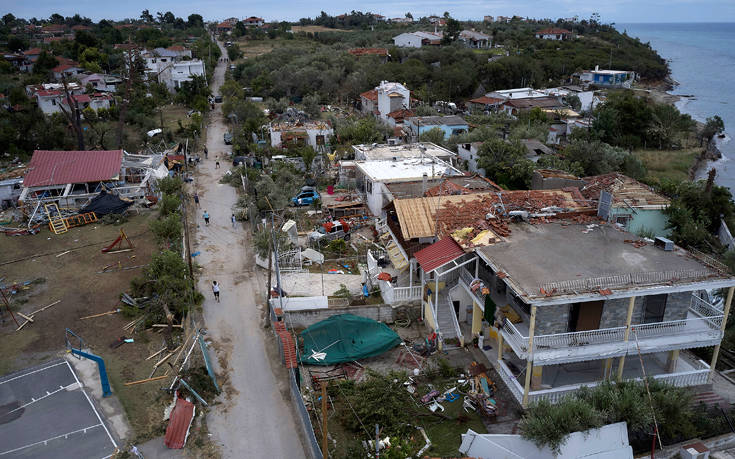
column 305, row 197
column 228, row 138
column 237, row 160
column 218, row 99
column 336, row 229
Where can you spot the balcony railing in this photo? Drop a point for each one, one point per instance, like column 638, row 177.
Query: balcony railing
column 705, row 318
column 467, row 279
column 395, row 295
column 695, row 377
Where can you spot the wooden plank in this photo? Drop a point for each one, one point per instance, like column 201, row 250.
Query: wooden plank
column 29, row 319
column 23, row 325
column 157, row 353
column 100, row 314
column 44, row 308
column 132, row 383
column 157, row 364
column 166, row 325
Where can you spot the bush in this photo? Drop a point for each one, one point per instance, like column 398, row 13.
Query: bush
column 114, row 219
column 167, row 230
column 169, row 204
column 171, row 185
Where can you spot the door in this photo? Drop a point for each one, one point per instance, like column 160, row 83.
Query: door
column 585, row 316
column 654, row 308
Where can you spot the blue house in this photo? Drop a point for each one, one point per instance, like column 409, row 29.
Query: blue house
column 451, row 125
column 608, row 78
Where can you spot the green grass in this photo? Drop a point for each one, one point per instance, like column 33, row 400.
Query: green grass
column 668, row 164
column 446, row 436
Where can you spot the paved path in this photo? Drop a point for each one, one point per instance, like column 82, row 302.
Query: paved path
column 254, row 420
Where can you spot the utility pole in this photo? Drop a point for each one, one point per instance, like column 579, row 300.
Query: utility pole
column 325, row 439
column 126, row 99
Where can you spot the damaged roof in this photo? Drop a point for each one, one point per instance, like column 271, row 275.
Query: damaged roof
column 464, row 184
column 418, row 216
column 566, row 258
column 625, row 190
column 61, row 167
column 438, row 254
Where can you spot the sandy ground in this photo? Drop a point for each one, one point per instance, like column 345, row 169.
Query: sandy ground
column 254, row 419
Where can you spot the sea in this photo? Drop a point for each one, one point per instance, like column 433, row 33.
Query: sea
column 702, row 61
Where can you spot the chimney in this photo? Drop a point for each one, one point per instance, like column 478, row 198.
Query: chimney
column 424, row 184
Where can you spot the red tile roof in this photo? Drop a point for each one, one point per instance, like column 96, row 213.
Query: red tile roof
column 32, row 52
column 370, row 95
column 399, row 115
column 48, row 93
column 178, row 424
column 62, row 167
column 484, row 100
column 176, row 48
column 438, row 254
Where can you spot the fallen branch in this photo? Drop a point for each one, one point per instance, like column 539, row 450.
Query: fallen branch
column 132, row 383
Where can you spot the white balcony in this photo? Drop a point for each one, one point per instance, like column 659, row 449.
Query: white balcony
column 700, row 328
column 562, row 380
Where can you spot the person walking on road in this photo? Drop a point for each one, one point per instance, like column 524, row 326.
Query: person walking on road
column 215, row 290
column 234, row 220
column 206, row 218
column 216, row 165
column 196, row 199
column 206, row 153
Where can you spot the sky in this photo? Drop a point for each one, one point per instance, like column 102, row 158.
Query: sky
column 618, row 11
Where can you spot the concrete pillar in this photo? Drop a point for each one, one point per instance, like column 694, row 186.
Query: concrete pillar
column 536, row 377
column 529, row 365
column 671, row 360
column 477, row 267
column 476, row 319
column 410, row 272
column 621, row 365
column 726, row 313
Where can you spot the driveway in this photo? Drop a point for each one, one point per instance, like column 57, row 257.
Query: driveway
column 253, row 419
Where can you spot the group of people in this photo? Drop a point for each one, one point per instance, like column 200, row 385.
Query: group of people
column 233, row 219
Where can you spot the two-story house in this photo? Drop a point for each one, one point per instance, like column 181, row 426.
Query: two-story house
column 571, row 300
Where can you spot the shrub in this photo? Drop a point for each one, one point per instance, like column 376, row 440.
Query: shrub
column 171, row 185
column 167, row 229
column 169, row 204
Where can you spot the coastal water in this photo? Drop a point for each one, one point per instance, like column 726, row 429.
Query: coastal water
column 702, row 61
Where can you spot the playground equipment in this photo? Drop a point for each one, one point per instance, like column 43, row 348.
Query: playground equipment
column 106, row 391
column 117, row 244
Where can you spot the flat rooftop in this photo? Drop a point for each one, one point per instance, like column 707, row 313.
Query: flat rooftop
column 406, row 170
column 411, row 150
column 451, row 120
column 293, row 126
column 573, row 257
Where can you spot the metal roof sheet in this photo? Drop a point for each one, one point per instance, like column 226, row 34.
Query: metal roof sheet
column 438, row 254
column 178, row 424
column 61, row 167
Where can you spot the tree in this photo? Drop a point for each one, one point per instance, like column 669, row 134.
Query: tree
column 312, row 105
column 712, row 127
column 195, row 20
column 169, row 17
column 16, row 44
column 409, row 16
column 451, row 32
column 234, row 52
column 433, row 135
column 8, row 20
column 56, row 18
column 506, row 163
column 146, row 16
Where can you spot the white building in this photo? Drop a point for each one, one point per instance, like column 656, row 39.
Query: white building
column 184, row 71
column 554, row 34
column 417, row 39
column 378, row 152
column 392, row 97
column 608, row 78
column 373, row 178
column 473, row 39
column 516, row 93
column 313, row 133
column 468, row 154
column 100, row 82
column 168, row 67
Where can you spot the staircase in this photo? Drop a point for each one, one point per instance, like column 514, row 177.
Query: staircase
column 444, row 319
column 394, row 252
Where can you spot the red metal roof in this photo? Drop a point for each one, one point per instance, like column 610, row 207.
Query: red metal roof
column 178, row 424
column 370, row 95
column 486, row 100
column 553, row 31
column 438, row 254
column 364, row 51
column 62, row 167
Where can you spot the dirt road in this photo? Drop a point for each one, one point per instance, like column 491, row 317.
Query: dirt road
column 253, row 420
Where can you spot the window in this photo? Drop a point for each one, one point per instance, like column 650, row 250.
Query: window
column 653, row 308
column 622, row 219
column 369, row 186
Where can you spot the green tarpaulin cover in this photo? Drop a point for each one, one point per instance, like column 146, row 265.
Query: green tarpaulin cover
column 344, row 338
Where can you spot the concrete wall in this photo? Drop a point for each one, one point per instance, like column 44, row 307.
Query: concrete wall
column 305, row 318
column 470, row 155
column 555, row 319
column 552, row 319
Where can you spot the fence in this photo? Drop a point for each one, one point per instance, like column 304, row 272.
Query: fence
column 304, row 420
column 622, row 280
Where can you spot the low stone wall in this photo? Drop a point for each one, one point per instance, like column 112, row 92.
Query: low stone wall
column 308, row 317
